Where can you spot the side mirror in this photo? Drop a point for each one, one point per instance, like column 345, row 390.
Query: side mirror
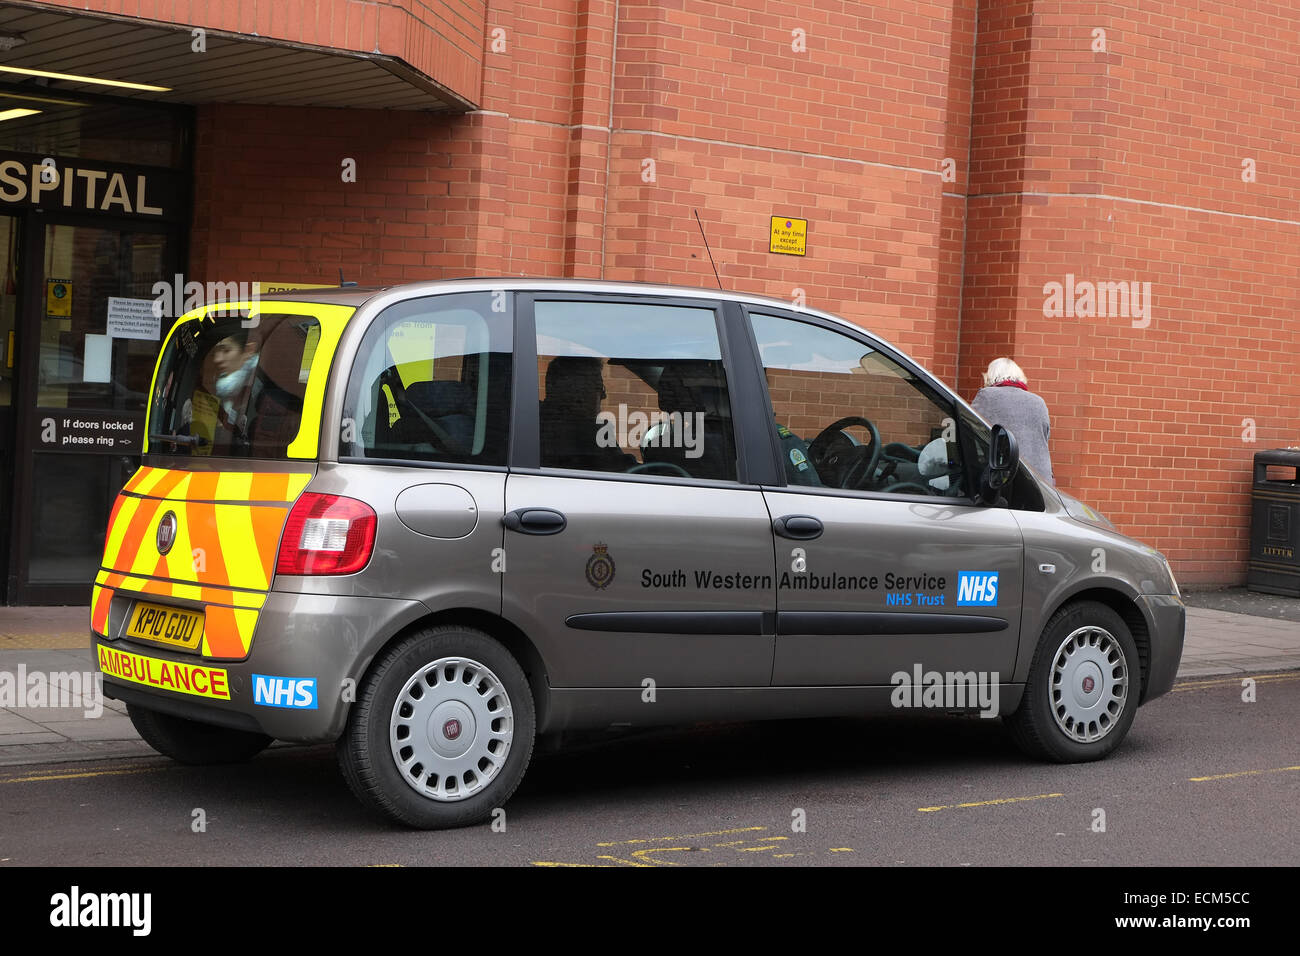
column 1004, row 460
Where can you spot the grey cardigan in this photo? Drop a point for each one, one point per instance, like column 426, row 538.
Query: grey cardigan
column 1024, row 414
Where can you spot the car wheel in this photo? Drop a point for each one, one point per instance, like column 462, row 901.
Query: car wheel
column 1083, row 687
column 190, row 742
column 442, row 730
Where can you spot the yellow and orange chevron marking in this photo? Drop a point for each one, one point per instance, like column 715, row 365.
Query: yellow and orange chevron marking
column 228, row 527
column 100, row 599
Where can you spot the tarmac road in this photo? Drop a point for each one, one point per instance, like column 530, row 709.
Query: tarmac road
column 1203, row 778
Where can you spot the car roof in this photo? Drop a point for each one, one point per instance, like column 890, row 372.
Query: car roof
column 357, row 295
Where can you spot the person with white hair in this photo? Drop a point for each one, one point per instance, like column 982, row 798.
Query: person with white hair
column 1006, row 400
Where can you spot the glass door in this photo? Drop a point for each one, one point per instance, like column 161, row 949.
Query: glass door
column 9, row 239
column 93, row 340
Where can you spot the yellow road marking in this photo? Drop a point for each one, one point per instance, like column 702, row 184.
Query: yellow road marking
column 841, row 849
column 645, row 854
column 1241, row 773
column 624, row 862
column 756, row 849
column 77, row 776
column 550, row 863
column 989, row 803
column 1235, row 681
column 685, row 836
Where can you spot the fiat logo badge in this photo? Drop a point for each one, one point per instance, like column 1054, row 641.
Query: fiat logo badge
column 1088, row 685
column 166, row 536
column 451, row 729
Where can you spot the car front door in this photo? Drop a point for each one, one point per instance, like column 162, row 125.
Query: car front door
column 635, row 555
column 886, row 565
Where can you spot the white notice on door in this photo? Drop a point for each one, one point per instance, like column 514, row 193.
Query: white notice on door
column 132, row 319
column 97, row 363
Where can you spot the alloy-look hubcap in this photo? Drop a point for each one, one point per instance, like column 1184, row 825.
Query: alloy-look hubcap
column 1090, row 684
column 451, row 728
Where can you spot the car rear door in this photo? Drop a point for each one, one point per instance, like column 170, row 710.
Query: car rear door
column 193, row 536
column 637, row 555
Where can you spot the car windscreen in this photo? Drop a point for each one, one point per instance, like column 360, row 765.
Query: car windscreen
column 232, row 385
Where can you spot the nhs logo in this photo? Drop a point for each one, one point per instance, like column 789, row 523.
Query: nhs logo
column 299, row 692
column 977, row 587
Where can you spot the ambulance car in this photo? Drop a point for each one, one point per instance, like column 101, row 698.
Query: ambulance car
column 435, row 523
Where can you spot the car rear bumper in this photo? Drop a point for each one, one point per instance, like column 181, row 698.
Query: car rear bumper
column 307, row 658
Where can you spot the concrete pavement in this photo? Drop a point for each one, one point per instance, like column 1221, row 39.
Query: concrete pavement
column 49, row 648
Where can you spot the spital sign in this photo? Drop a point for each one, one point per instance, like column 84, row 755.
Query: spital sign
column 79, row 185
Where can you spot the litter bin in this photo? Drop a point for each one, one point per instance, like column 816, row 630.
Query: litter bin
column 1274, row 566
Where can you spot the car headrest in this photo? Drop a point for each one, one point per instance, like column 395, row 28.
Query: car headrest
column 692, row 391
column 441, row 398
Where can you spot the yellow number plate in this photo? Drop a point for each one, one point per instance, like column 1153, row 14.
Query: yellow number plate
column 166, row 625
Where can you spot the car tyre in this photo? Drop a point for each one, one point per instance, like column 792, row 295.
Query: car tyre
column 442, row 730
column 189, row 742
column 1083, row 687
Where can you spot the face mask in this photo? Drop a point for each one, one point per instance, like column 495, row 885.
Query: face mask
column 232, row 383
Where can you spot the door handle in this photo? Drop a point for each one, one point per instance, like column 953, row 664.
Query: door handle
column 535, row 521
column 798, row 527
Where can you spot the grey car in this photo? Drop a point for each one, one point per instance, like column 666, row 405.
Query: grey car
column 433, row 523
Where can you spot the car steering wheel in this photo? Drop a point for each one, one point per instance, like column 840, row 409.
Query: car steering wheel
column 855, row 473
column 647, row 465
column 920, row 489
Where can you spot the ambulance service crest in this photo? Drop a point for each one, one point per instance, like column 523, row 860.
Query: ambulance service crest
column 600, row 567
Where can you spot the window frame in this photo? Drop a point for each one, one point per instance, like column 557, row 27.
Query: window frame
column 861, row 336
column 742, row 393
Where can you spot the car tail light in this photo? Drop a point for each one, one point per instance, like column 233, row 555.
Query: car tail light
column 327, row 534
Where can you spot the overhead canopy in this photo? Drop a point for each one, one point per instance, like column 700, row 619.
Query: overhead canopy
column 234, row 68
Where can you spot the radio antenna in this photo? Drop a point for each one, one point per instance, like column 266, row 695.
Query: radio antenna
column 707, row 249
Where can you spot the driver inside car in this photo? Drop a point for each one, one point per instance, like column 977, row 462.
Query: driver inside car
column 575, row 387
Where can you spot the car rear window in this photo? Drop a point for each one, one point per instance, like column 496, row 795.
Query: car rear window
column 232, row 385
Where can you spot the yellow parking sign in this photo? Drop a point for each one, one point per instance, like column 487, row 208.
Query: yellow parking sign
column 789, row 236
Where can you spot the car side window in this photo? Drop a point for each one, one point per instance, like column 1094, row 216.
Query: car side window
column 848, row 416
column 431, row 383
column 633, row 388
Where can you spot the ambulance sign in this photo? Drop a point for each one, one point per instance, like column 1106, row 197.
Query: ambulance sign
column 789, row 236
column 165, row 675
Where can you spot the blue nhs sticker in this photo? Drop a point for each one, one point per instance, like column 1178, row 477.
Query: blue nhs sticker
column 977, row 587
column 299, row 692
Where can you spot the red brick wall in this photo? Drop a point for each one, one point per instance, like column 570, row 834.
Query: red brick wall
column 271, row 204
column 1114, row 165
column 848, row 134
column 1126, row 165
